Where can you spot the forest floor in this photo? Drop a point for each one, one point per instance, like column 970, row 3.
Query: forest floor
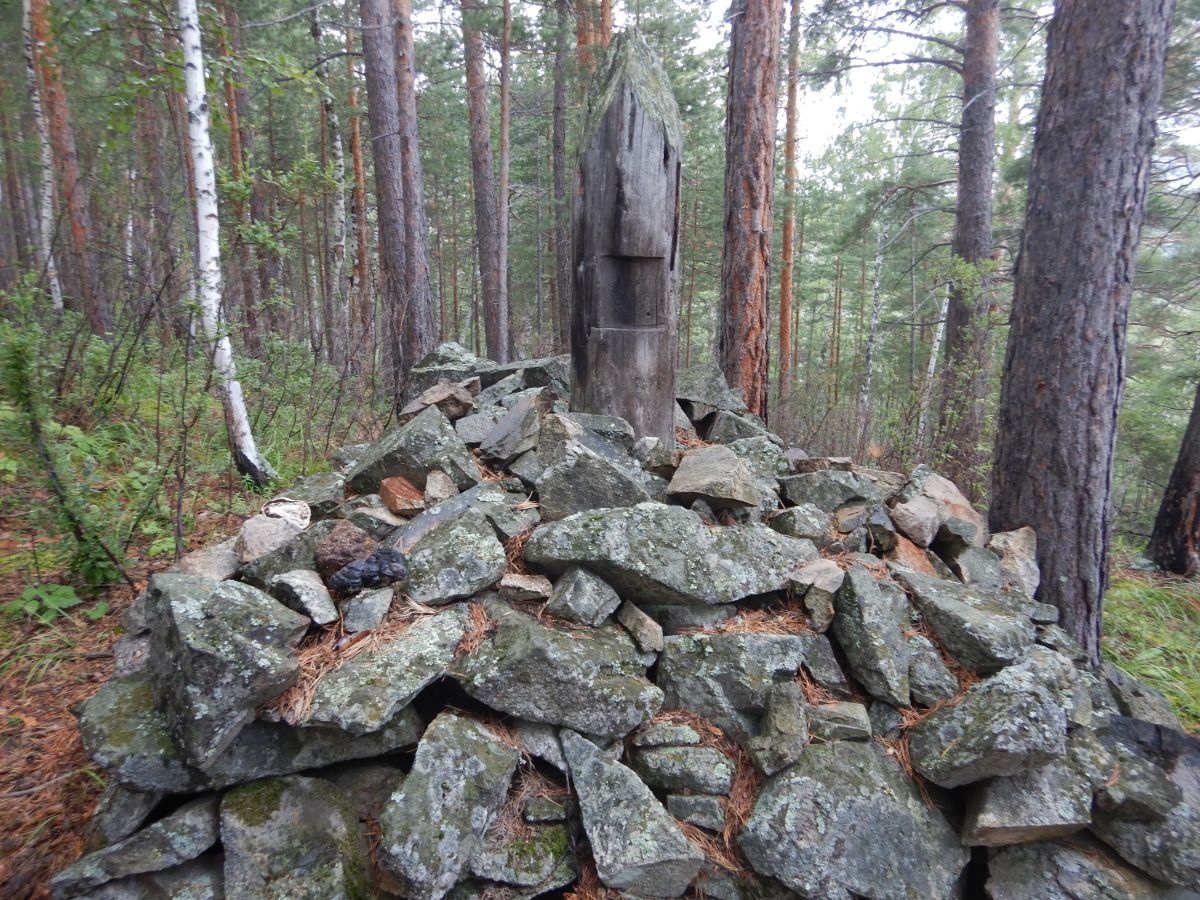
column 48, row 786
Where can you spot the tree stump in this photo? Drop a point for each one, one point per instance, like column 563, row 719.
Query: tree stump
column 626, row 244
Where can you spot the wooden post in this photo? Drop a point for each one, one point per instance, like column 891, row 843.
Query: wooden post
column 626, row 244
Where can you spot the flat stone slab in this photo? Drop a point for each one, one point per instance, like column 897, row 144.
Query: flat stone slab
column 1048, row 802
column 454, row 560
column 700, row 769
column 432, row 827
column 636, row 843
column 716, row 475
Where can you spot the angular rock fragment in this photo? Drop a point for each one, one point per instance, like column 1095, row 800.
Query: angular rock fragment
column 765, row 458
column 699, row 769
column 928, row 677
column 119, row 813
column 454, row 560
column 845, row 820
column 727, row 427
column 401, row 496
column 590, row 681
column 217, row 657
column 303, row 590
column 703, row 385
column 292, row 837
column 827, row 490
column 636, row 844
column 928, row 496
column 413, row 450
column 804, row 521
column 536, row 862
column 1044, row 803
column 839, row 722
column 784, row 731
column 473, row 430
column 298, row 553
column 584, row 481
column 675, row 619
column 183, row 835
column 514, row 587
column 580, row 596
column 367, row 692
column 453, row 400
column 697, row 809
column 646, row 633
column 716, row 475
column 278, row 522
column 431, row 828
column 322, row 492
column 664, row 554
column 345, row 544
column 976, row 566
column 439, row 487
column 727, row 678
column 666, row 734
column 817, row 583
column 1137, row 700
column 868, row 627
column 514, row 434
column 367, row 610
column 218, row 561
column 446, row 362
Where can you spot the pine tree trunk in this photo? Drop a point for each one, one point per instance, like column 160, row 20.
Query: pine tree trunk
column 18, row 217
column 749, row 187
column 208, row 263
column 490, row 276
column 1175, row 541
column 562, row 214
column 45, row 236
column 783, row 390
column 361, row 318
column 968, row 352
column 1065, row 363
column 502, row 211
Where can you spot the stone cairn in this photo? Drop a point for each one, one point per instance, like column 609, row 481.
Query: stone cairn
column 509, row 650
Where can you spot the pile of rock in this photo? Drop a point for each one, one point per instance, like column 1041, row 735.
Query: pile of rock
column 509, row 649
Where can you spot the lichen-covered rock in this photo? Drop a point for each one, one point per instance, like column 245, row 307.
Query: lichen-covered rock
column 698, row 809
column 591, row 681
column 675, row 618
column 322, row 492
column 646, row 633
column 1076, row 869
column 515, row 433
column 481, row 497
column 804, row 521
column 584, row 481
column 822, row 666
column 978, row 629
column 636, row 844
column 580, row 596
column 1137, row 700
column 431, row 827
column 727, row 427
column 413, row 450
column 298, row 553
column 181, row 836
column 844, row 820
column 538, row 861
column 218, row 561
column 1010, row 723
column 841, row 721
column 702, row 388
column 303, row 590
column 666, row 734
column 727, row 678
column 784, row 731
column 700, row 769
column 827, row 490
column 765, row 457
column 929, row 679
column 524, row 588
column 447, row 361
column 453, row 400
column 454, row 560
column 128, row 737
column 664, row 554
column 366, row 692
column 1047, row 802
column 868, row 627
column 292, row 838
column 816, row 583
column 957, row 521
column 118, row 813
column 715, row 475
column 217, row 657
column 279, row 521
column 366, row 610
column 976, row 566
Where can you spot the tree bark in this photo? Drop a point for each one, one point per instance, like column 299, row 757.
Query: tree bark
column 864, row 397
column 1065, row 363
column 562, row 213
column 1175, row 541
column 208, row 262
column 965, row 373
column 338, row 324
column 502, row 211
column 783, row 390
column 76, row 198
column 18, row 217
column 749, row 186
column 362, row 320
column 491, row 277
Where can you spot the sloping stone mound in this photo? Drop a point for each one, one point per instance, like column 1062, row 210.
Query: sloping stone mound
column 735, row 672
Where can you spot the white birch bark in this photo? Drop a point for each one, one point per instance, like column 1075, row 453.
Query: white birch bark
column 864, row 396
column 930, row 370
column 45, row 236
column 208, row 259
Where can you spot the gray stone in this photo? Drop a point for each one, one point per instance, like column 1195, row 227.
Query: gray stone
column 1047, row 802
column 702, row 770
column 431, row 828
column 202, row 878
column 217, row 562
column 827, row 490
column 303, row 590
column 1018, row 558
column 580, row 596
column 976, row 566
column 958, row 521
column 839, row 722
column 181, row 836
column 344, row 458
column 379, row 524
column 1135, row 789
column 764, row 456
column 716, row 475
column 562, row 436
column 514, row 587
column 918, row 519
column 297, row 553
column 449, row 361
column 727, row 427
column 511, row 517
column 453, row 400
column 118, row 814
column 482, row 497
column 868, row 628
column 821, row 664
column 541, row 740
column 1139, row 701
column 675, row 619
column 369, row 690
column 726, row 678
column 1078, row 869
column 666, row 734
column 583, row 482
column 366, row 785
column 613, row 429
column 473, row 430
column 538, row 861
column 1006, row 724
column 438, row 487
column 804, row 521
column 590, row 681
column 270, row 529
column 494, row 393
column 977, row 629
column 292, row 838
column 218, row 656
column 784, row 731
column 454, row 560
column 704, row 384
column 367, row 610
column 322, row 492
column 886, row 721
column 637, row 846
column 844, row 821
column 646, row 633
column 413, row 450
column 697, row 809
column 664, row 554
column 928, row 678
column 514, row 434
column 529, row 468
column 546, row 809
column 549, row 371
column 127, row 736
column 816, row 583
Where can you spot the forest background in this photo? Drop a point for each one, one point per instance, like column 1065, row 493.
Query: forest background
column 113, row 450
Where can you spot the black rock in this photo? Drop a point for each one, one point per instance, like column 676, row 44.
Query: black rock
column 379, row 569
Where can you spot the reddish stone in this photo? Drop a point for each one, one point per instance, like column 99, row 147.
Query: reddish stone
column 345, row 544
column 401, row 496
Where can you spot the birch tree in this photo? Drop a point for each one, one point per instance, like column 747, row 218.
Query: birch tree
column 208, row 256
column 45, row 235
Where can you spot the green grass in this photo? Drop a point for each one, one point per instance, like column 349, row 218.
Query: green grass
column 1152, row 631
